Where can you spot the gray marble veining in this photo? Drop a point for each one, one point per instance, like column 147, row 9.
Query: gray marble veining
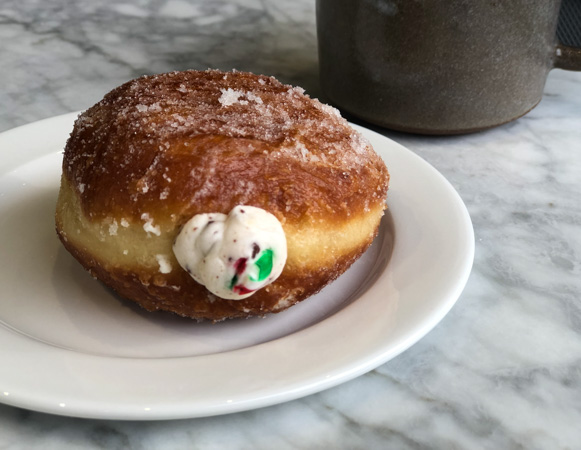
column 502, row 370
column 64, row 55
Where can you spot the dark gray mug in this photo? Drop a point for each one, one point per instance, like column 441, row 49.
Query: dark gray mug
column 439, row 66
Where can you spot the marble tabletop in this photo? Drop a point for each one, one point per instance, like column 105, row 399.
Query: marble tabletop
column 501, row 371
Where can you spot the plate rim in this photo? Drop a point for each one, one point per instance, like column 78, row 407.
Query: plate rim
column 339, row 372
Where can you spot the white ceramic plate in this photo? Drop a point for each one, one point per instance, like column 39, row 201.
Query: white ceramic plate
column 69, row 346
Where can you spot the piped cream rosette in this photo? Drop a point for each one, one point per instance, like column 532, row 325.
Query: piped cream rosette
column 232, row 255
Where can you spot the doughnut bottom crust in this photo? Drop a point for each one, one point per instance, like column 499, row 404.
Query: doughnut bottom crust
column 133, row 262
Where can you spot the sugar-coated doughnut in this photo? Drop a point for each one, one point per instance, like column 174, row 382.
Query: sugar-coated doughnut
column 156, row 174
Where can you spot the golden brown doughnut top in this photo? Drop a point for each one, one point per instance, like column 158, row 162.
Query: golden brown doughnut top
column 182, row 143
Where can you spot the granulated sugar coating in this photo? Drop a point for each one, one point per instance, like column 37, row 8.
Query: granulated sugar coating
column 163, row 149
column 135, row 134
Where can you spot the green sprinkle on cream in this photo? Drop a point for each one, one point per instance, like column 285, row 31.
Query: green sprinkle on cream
column 264, row 263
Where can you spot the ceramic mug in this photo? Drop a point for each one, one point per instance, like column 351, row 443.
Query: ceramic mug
column 437, row 66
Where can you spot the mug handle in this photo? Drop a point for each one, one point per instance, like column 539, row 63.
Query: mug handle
column 567, row 58
column 568, row 50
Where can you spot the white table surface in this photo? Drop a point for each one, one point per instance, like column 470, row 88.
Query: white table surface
column 502, row 370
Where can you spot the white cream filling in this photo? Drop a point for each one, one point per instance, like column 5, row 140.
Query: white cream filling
column 232, row 255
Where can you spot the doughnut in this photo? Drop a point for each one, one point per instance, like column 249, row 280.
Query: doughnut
column 217, row 195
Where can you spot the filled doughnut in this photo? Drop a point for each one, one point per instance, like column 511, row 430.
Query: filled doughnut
column 217, row 195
